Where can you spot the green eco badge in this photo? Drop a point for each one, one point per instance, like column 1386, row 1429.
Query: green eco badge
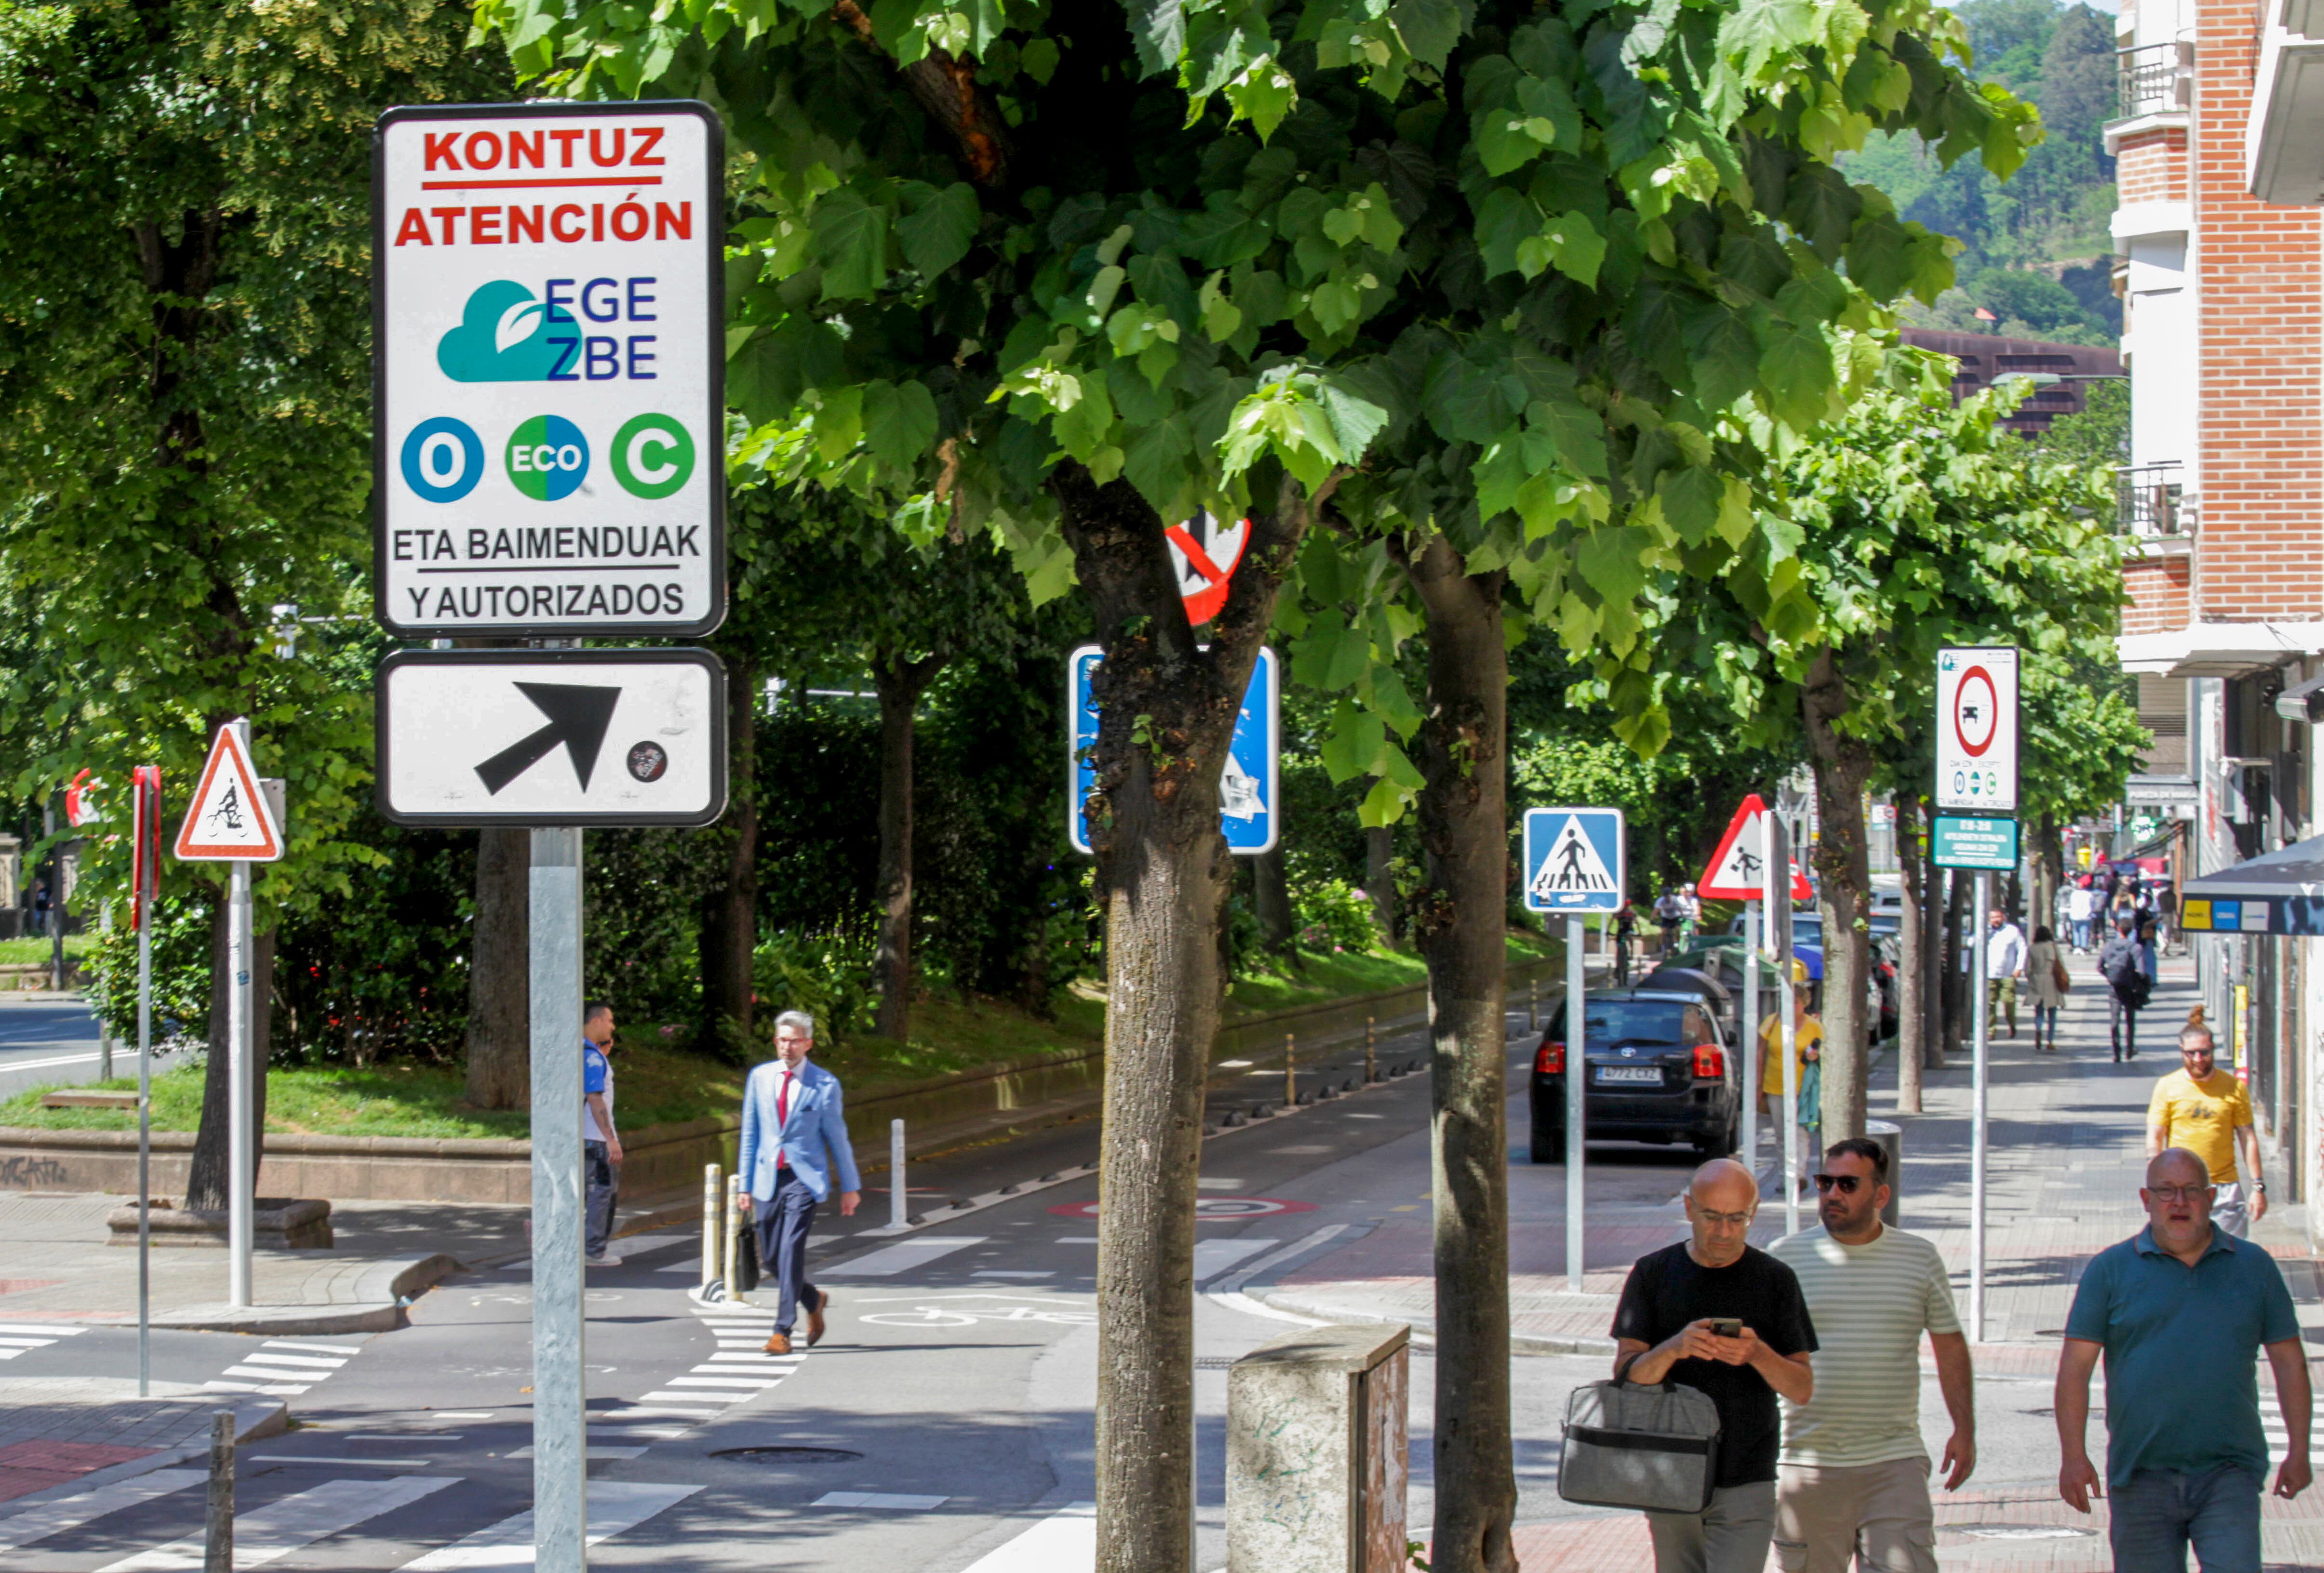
column 653, row 456
column 547, row 457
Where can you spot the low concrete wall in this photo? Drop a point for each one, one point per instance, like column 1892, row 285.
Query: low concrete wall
column 656, row 1158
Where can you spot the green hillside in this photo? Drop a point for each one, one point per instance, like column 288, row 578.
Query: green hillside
column 2035, row 249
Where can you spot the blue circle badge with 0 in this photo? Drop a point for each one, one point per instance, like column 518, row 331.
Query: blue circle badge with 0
column 443, row 459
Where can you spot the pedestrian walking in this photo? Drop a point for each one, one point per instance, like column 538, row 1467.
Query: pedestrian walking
column 2209, row 1112
column 1690, row 920
column 2046, row 982
column 2166, row 915
column 1717, row 1315
column 601, row 1144
column 2122, row 962
column 2005, row 968
column 1626, row 934
column 1807, row 1051
column 793, row 1146
column 1852, row 1479
column 2179, row 1313
column 41, row 906
column 2081, row 907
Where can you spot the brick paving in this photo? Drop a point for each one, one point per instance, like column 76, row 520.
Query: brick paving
column 73, row 1431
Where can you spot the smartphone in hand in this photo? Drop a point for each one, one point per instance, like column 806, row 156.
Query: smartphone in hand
column 1726, row 1327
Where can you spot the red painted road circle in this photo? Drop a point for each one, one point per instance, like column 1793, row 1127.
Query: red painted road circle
column 1209, row 1209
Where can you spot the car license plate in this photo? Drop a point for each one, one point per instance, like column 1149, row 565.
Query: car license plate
column 1646, row 1074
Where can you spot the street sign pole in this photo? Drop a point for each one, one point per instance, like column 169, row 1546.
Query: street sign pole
column 1747, row 1040
column 560, row 1400
column 1577, row 1068
column 1981, row 901
column 1778, row 872
column 145, row 858
column 239, row 1143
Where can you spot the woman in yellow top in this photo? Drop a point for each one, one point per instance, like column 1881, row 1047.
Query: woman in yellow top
column 1807, row 1047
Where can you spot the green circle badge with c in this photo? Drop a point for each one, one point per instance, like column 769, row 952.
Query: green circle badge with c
column 653, row 456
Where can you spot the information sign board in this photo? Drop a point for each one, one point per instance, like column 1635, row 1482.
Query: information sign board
column 1976, row 843
column 549, row 425
column 1977, row 728
column 1249, row 787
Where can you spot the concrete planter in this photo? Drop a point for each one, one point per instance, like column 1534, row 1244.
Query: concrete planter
column 656, row 1158
column 276, row 1224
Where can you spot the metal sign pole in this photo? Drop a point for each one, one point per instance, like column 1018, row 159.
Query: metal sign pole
column 1577, row 1069
column 1977, row 1132
column 560, row 1399
column 1779, row 876
column 1748, row 1047
column 147, row 829
column 238, row 1071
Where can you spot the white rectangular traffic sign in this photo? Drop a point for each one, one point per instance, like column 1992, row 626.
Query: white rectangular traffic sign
column 1976, row 728
column 552, row 736
column 548, row 445
column 1573, row 859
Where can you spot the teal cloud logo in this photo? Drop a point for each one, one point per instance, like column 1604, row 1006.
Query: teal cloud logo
column 503, row 336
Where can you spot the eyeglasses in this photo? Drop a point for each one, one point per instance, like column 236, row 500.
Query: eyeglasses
column 2178, row 1193
column 1846, row 1184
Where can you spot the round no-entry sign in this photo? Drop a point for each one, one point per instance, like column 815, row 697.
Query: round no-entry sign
column 1976, row 710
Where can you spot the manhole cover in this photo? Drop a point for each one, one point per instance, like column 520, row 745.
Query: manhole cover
column 1993, row 1531
column 789, row 1455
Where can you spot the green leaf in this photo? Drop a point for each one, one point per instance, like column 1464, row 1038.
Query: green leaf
column 938, row 232
column 899, row 423
column 1263, row 95
column 1575, row 248
column 1796, row 375
column 1691, row 500
column 1332, row 656
column 1506, row 221
column 851, row 242
column 1462, row 404
column 1726, row 358
column 1429, row 28
column 1159, row 27
column 1578, row 432
column 1612, row 559
column 1351, row 747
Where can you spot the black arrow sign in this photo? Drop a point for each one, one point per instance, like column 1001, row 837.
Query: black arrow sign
column 577, row 718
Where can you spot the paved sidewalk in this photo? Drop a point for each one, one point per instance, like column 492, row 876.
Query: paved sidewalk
column 63, row 1436
column 2067, row 1156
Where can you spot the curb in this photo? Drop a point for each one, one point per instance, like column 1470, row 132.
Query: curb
column 385, row 1289
column 254, row 1421
column 1424, row 1329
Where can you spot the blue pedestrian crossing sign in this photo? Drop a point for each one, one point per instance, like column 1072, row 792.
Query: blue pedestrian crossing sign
column 1250, row 785
column 1573, row 859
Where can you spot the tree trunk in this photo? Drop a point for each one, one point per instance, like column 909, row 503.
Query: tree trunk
column 1459, row 922
column 1930, row 961
column 2049, row 868
column 1912, row 1016
column 1843, row 764
column 1166, row 712
column 1956, row 986
column 1379, row 877
column 899, row 682
column 500, row 972
column 730, row 916
column 1270, row 898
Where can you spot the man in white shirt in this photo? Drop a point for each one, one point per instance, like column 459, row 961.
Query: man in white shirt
column 1852, row 1480
column 2005, row 965
column 2081, row 907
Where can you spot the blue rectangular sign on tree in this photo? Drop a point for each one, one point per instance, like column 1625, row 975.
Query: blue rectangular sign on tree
column 1250, row 800
column 1573, row 859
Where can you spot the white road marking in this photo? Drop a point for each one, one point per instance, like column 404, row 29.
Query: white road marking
column 1009, row 1272
column 313, row 1365
column 45, row 1330
column 614, row 1507
column 595, row 1451
column 342, row 1463
column 753, row 1382
column 665, row 1401
column 291, row 1523
column 304, row 1347
column 903, row 1255
column 1064, row 1542
column 878, row 1499
column 1213, row 1257
column 270, row 1374
column 53, row 1518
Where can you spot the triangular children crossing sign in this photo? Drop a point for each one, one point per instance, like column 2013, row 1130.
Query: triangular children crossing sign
column 230, row 819
column 1737, row 870
column 1573, row 859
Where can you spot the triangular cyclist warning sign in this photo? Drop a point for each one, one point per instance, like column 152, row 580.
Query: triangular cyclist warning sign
column 1572, row 868
column 230, row 819
column 1737, row 870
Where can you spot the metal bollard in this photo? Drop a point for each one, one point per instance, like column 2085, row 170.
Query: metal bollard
column 104, row 1052
column 733, row 1233
column 1533, row 1005
column 218, row 1532
column 895, row 1199
column 1369, row 1075
column 1290, row 1088
column 712, row 1190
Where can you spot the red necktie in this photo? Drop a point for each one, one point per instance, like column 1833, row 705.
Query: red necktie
column 782, row 1113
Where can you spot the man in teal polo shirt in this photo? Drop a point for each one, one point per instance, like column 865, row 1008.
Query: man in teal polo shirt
column 2180, row 1311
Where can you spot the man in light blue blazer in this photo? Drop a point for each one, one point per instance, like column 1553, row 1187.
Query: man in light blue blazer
column 791, row 1118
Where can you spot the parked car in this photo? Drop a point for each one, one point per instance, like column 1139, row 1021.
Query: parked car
column 1660, row 1069
column 1704, row 983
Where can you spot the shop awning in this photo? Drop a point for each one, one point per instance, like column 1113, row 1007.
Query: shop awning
column 2279, row 892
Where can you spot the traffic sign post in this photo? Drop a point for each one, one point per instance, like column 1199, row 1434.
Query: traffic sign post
column 1977, row 771
column 144, row 882
column 620, row 737
column 1250, row 784
column 1205, row 553
column 1779, row 896
column 550, row 430
column 1738, row 872
column 231, row 820
column 1573, row 859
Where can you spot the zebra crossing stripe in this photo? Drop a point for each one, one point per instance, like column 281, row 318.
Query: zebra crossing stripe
column 291, row 1523
column 613, row 1506
column 70, row 1512
column 48, row 1329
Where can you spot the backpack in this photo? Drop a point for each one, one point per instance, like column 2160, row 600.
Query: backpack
column 2119, row 964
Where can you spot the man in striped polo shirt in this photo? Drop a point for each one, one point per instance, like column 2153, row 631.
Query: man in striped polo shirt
column 1853, row 1478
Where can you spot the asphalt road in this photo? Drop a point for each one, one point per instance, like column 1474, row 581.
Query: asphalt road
column 942, row 1426
column 46, row 1038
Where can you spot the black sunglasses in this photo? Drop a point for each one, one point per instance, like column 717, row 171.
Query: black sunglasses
column 1846, row 1184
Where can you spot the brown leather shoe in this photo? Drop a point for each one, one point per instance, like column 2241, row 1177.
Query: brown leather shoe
column 780, row 1344
column 815, row 1322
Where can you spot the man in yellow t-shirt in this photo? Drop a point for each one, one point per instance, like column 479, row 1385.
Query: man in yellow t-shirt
column 2207, row 1111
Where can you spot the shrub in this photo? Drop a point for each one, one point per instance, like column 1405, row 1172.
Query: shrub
column 1333, row 915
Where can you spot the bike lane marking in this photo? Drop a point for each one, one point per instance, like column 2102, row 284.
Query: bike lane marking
column 902, row 1256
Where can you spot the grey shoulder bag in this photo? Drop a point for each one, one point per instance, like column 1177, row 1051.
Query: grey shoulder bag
column 1630, row 1445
